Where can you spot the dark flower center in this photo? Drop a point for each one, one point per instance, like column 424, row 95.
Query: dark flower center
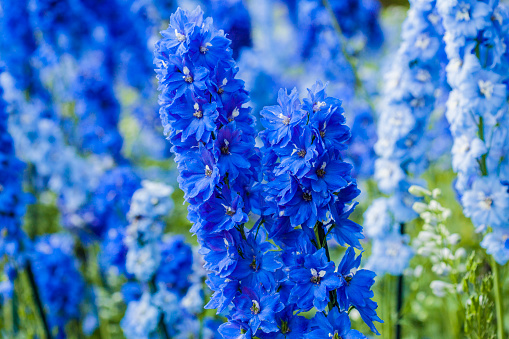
column 320, row 172
column 348, row 278
column 225, row 149
column 203, row 49
column 301, row 153
column 198, row 114
column 306, row 196
column 315, row 279
column 322, row 134
column 230, row 211
column 220, row 90
column 188, row 78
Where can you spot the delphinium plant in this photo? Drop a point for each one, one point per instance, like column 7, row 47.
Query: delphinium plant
column 477, row 112
column 295, row 186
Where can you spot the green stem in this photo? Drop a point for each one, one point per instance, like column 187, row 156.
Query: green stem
column 358, row 82
column 387, row 298
column 14, row 306
column 38, row 302
column 498, row 299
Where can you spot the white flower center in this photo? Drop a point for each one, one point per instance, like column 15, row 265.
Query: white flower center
column 286, row 120
column 318, row 106
column 486, row 88
column 180, row 37
column 463, row 12
column 422, row 41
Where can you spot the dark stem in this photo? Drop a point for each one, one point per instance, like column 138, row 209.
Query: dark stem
column 37, row 299
column 321, row 242
column 399, row 297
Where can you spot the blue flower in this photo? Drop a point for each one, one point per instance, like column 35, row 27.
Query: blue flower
column 195, row 117
column 258, row 261
column 299, row 155
column 313, row 281
column 487, row 203
column 356, row 288
column 208, row 46
column 258, row 309
column 496, row 243
column 280, row 120
column 233, row 152
column 333, row 325
column 198, row 174
column 222, row 212
column 220, row 252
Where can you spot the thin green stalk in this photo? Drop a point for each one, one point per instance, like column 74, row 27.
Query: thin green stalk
column 348, row 57
column 14, row 309
column 38, row 302
column 498, row 299
column 387, row 298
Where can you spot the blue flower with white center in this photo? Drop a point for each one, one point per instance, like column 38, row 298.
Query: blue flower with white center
column 334, row 325
column 328, row 174
column 208, row 46
column 280, row 120
column 198, row 174
column 195, row 117
column 141, row 318
column 487, row 203
column 390, row 254
column 464, row 17
column 176, row 37
column 182, row 76
column 220, row 252
column 466, row 151
column 232, row 151
column 356, row 288
column 299, row 155
column 222, row 212
column 313, row 282
column 258, row 309
column 224, row 82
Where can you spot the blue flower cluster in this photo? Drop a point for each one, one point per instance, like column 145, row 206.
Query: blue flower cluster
column 168, row 292
column 477, row 110
column 12, row 199
column 297, row 183
column 408, row 101
column 59, row 281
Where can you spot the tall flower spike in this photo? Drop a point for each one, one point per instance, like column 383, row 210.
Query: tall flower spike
column 409, row 101
column 275, row 261
column 477, row 111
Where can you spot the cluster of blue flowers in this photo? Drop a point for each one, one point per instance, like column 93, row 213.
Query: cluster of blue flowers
column 409, row 99
column 296, row 182
column 60, row 283
column 167, row 291
column 13, row 240
column 477, row 110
